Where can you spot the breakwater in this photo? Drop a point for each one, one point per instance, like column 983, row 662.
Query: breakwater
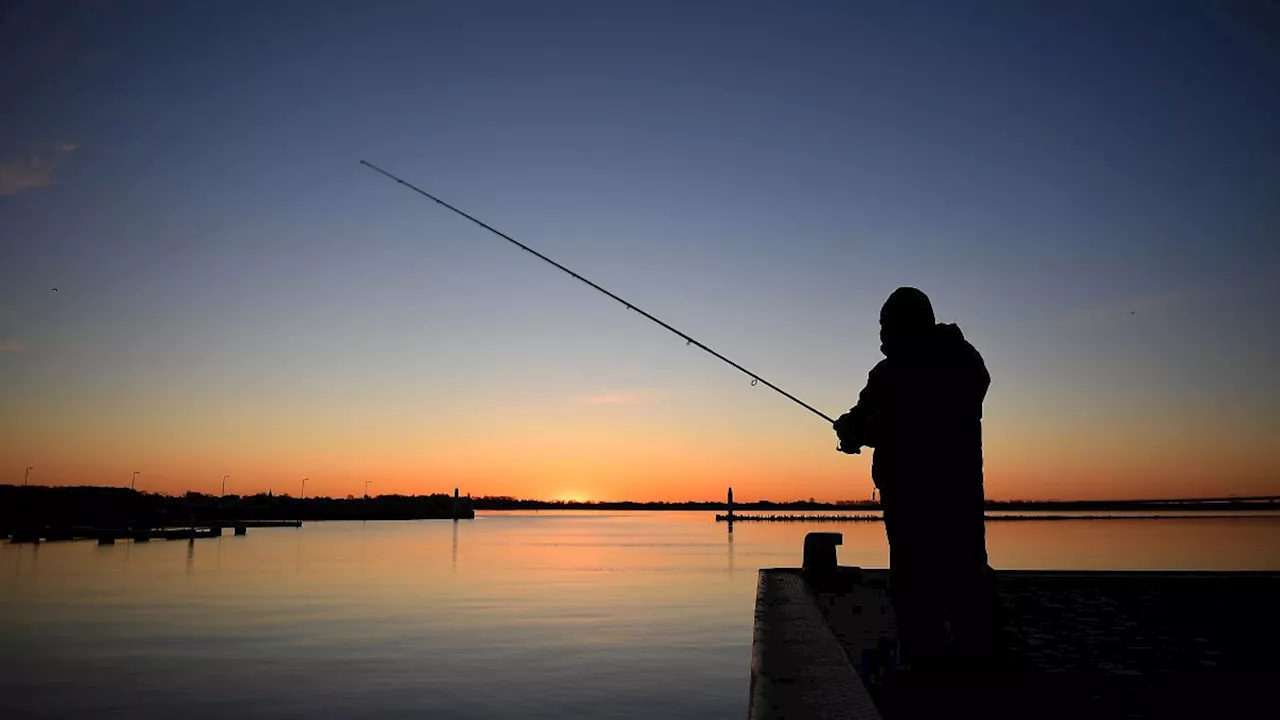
column 1080, row 516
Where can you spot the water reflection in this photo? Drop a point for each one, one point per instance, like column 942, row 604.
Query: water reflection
column 582, row 614
column 34, row 556
column 730, row 534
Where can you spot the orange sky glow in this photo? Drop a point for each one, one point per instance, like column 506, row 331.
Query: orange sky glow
column 642, row 454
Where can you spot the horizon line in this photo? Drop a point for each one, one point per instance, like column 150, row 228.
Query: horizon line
column 510, row 498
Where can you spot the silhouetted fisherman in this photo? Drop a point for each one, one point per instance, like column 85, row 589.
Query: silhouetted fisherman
column 921, row 411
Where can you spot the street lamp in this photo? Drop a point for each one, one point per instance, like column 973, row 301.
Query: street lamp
column 304, row 488
column 224, row 485
column 366, row 488
column 133, row 481
column 26, row 474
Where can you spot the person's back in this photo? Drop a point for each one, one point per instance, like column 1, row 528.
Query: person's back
column 921, row 411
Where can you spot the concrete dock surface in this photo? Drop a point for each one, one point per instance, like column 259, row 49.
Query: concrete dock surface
column 1070, row 645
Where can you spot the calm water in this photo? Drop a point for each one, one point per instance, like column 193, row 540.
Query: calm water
column 551, row 614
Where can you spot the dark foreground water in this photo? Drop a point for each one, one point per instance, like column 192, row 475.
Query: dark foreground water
column 529, row 615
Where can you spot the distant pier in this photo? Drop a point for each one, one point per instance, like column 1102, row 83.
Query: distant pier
column 1077, row 516
column 797, row 518
column 109, row 536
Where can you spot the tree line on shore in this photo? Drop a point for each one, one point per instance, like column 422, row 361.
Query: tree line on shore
column 109, row 507
column 123, row 507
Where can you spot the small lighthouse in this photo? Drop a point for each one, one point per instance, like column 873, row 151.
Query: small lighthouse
column 455, row 503
column 730, row 504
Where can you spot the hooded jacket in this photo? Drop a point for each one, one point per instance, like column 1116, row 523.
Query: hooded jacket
column 921, row 411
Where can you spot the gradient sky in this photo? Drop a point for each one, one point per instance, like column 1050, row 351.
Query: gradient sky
column 1091, row 190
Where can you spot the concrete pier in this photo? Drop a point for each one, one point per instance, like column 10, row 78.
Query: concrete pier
column 1069, row 644
column 798, row 667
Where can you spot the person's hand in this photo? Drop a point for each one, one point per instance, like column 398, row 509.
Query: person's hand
column 847, row 430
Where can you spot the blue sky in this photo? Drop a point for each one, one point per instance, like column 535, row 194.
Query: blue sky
column 761, row 175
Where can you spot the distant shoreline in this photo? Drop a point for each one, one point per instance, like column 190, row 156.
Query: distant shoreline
column 30, row 512
column 72, row 494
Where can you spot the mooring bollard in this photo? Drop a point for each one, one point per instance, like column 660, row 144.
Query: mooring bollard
column 820, row 555
column 242, row 529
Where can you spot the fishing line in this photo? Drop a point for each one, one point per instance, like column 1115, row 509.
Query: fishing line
column 689, row 340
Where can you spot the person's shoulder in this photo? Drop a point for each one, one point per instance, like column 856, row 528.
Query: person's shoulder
column 949, row 332
column 953, row 344
column 880, row 372
column 951, row 336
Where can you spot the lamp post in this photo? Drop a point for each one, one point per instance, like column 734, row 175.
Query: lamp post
column 224, row 485
column 366, row 488
column 133, row 481
column 26, row 474
column 304, row 488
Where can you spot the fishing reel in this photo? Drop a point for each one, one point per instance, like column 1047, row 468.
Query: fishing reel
column 850, row 444
column 850, row 429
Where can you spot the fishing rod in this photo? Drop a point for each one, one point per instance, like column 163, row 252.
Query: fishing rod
column 689, row 340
